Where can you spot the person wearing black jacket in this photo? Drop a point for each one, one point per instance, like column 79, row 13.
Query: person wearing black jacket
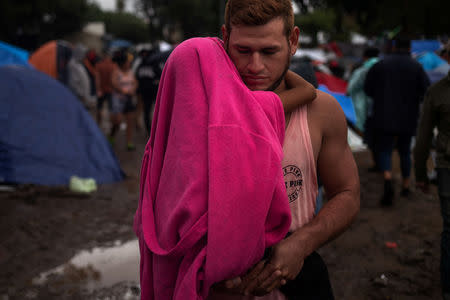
column 397, row 85
column 148, row 74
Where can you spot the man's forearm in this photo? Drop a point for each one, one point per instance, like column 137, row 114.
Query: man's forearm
column 336, row 216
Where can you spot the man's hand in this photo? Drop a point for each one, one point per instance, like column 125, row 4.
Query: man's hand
column 232, row 286
column 285, row 264
column 237, row 285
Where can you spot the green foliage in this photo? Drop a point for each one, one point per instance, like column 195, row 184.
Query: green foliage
column 195, row 17
column 125, row 26
column 416, row 17
column 30, row 23
column 321, row 19
column 191, row 18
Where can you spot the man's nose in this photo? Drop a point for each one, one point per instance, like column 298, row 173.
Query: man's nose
column 256, row 64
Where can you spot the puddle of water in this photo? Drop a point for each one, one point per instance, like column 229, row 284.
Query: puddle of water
column 99, row 267
column 7, row 188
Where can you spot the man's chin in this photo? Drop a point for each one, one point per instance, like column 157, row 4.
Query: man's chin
column 258, row 87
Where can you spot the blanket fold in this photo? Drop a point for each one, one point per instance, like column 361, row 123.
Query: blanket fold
column 212, row 194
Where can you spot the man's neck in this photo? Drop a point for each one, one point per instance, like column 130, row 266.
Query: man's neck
column 281, row 87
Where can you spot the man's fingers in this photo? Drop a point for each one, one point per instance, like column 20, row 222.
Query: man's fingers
column 275, row 285
column 253, row 273
column 275, row 277
column 233, row 283
column 268, row 270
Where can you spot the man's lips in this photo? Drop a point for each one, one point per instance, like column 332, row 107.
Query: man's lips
column 255, row 79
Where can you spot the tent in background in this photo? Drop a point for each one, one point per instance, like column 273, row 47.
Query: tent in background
column 435, row 67
column 419, row 46
column 337, row 87
column 119, row 44
column 10, row 55
column 345, row 102
column 52, row 59
column 47, row 135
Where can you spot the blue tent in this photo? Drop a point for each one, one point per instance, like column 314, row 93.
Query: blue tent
column 120, row 44
column 430, row 61
column 418, row 46
column 47, row 135
column 10, row 55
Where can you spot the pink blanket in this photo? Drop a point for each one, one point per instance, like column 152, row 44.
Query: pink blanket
column 212, row 193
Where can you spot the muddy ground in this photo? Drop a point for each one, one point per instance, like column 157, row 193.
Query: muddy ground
column 43, row 228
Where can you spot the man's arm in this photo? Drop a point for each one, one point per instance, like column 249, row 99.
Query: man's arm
column 339, row 174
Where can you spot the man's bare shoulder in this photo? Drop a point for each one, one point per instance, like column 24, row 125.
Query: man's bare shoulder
column 326, row 110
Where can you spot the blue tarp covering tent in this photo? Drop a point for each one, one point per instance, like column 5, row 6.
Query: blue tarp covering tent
column 119, row 44
column 419, row 46
column 345, row 102
column 47, row 135
column 437, row 74
column 10, row 55
column 436, row 67
column 430, row 61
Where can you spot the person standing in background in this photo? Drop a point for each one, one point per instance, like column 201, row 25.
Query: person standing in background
column 78, row 81
column 105, row 68
column 362, row 103
column 436, row 114
column 397, row 85
column 123, row 98
column 147, row 76
column 89, row 63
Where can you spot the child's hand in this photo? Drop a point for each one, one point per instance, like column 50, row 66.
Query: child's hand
column 298, row 92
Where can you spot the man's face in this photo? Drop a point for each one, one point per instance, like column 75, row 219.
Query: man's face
column 262, row 53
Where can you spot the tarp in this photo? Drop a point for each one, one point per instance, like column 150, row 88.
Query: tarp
column 314, row 54
column 10, row 55
column 437, row 74
column 345, row 102
column 44, row 59
column 337, row 87
column 430, row 61
column 435, row 67
column 419, row 46
column 52, row 58
column 47, row 135
column 119, row 44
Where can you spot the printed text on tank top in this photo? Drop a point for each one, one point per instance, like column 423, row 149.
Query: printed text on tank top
column 299, row 168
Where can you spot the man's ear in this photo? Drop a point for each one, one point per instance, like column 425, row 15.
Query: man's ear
column 224, row 34
column 293, row 39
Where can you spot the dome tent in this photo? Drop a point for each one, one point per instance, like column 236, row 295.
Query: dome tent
column 47, row 136
column 11, row 55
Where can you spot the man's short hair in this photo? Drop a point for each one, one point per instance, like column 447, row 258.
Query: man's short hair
column 371, row 52
column 259, row 12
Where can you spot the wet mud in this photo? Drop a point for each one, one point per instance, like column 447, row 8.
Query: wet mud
column 56, row 244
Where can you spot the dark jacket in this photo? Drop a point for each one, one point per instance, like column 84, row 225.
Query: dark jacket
column 435, row 114
column 148, row 74
column 397, row 85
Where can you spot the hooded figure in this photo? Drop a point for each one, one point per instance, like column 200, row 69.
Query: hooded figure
column 212, row 192
column 78, row 77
